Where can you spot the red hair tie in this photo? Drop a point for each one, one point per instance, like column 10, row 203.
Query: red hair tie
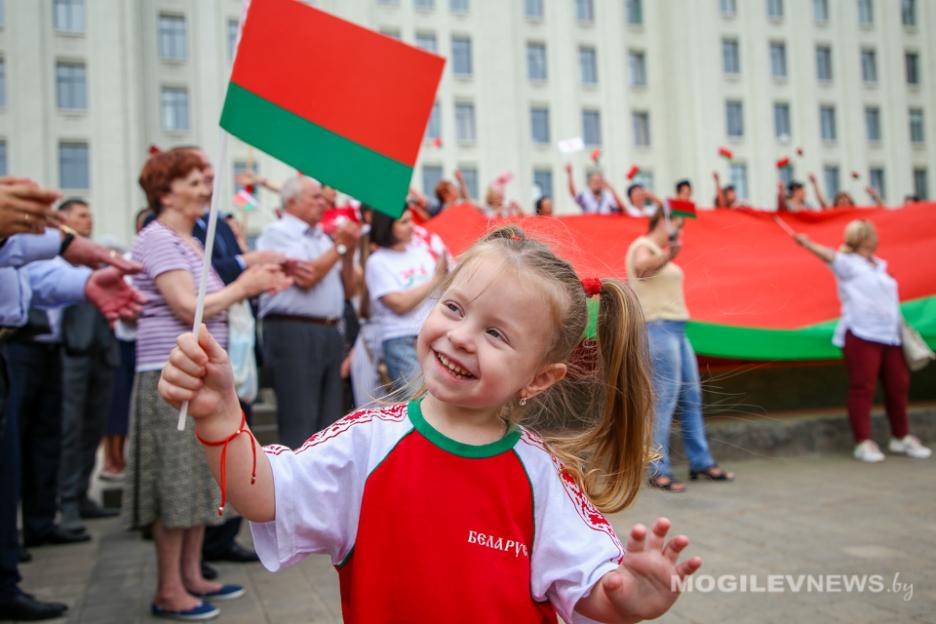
column 592, row 286
column 514, row 237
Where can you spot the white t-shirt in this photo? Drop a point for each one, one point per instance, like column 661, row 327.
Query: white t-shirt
column 870, row 303
column 388, row 271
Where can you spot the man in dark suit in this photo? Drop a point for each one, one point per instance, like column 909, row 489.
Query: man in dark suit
column 228, row 260
column 90, row 356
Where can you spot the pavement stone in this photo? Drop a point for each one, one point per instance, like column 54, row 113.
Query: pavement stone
column 808, row 515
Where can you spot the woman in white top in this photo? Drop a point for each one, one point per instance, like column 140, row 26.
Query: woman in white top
column 399, row 276
column 869, row 336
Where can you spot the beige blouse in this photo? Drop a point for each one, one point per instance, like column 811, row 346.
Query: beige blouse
column 661, row 296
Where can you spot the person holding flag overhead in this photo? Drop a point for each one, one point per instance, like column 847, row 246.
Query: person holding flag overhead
column 658, row 282
column 599, row 198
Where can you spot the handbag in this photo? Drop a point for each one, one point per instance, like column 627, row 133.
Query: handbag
column 241, row 339
column 916, row 351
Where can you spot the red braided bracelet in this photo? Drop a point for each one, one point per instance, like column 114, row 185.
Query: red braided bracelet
column 224, row 445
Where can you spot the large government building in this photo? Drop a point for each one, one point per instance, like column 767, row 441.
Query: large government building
column 87, row 86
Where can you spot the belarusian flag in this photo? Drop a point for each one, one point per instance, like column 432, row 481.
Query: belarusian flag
column 245, row 200
column 341, row 103
column 682, row 208
column 725, row 153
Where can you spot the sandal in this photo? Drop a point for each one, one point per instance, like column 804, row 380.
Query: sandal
column 671, row 484
column 712, row 473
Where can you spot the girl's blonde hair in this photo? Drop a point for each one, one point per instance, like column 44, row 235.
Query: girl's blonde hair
column 607, row 388
column 857, row 232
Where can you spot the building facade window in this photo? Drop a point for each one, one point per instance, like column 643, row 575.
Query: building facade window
column 637, row 68
column 908, row 12
column 827, row 128
column 539, row 125
column 824, row 63
column 876, row 179
column 242, row 166
column 778, row 64
column 781, row 115
column 470, row 174
column 175, row 109
column 71, row 86
column 172, row 45
column 912, row 62
column 734, row 119
column 865, row 13
column 458, row 6
column 731, row 57
column 634, row 11
column 393, row 33
column 728, row 8
column 2, row 82
column 831, row 180
column 424, row 5
column 821, row 11
column 640, row 122
column 543, row 180
column 461, row 55
column 434, row 127
column 233, row 30
column 533, row 9
column 427, row 41
column 74, row 170
column 591, row 127
column 431, row 176
column 869, row 66
column 873, row 123
column 775, row 9
column 588, row 65
column 920, row 179
column 917, row 134
column 737, row 177
column 465, row 122
column 536, row 61
column 68, row 16
column 585, row 11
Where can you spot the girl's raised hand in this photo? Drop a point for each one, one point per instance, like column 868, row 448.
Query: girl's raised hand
column 646, row 584
column 198, row 372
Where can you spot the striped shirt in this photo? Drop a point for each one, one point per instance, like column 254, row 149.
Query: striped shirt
column 160, row 250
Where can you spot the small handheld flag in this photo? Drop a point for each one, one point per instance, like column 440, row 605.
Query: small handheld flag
column 682, row 208
column 571, row 146
column 725, row 153
column 632, row 173
column 437, row 142
column 595, row 155
column 245, row 200
column 353, row 121
column 783, row 162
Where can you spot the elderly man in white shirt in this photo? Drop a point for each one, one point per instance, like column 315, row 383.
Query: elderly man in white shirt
column 301, row 343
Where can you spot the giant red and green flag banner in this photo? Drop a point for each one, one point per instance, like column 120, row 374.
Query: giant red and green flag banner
column 752, row 292
column 338, row 102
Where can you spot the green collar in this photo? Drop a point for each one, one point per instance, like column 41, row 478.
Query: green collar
column 471, row 451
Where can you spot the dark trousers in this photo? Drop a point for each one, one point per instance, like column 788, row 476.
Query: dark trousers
column 866, row 362
column 36, row 381
column 304, row 360
column 9, row 483
column 88, row 382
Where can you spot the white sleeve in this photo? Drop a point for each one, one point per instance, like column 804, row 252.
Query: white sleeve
column 319, row 487
column 380, row 278
column 574, row 545
column 842, row 265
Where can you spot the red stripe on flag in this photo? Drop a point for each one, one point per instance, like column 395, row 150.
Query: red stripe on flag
column 363, row 86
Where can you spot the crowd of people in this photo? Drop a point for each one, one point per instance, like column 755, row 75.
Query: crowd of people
column 333, row 307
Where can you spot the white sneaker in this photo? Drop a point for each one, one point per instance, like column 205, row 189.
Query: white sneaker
column 909, row 446
column 868, row 451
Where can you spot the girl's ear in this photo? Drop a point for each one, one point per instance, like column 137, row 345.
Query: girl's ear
column 547, row 376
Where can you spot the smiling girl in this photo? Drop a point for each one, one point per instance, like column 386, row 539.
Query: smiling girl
column 447, row 508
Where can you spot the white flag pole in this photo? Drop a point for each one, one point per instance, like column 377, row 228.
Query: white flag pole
column 212, row 222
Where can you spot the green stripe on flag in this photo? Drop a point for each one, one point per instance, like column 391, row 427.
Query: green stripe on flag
column 813, row 342
column 370, row 177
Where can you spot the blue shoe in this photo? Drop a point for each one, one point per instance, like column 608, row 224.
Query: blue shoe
column 204, row 611
column 227, row 592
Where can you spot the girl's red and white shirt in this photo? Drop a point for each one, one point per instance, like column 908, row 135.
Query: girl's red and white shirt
column 422, row 528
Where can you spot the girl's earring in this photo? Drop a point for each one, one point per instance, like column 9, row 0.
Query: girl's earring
column 523, row 401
